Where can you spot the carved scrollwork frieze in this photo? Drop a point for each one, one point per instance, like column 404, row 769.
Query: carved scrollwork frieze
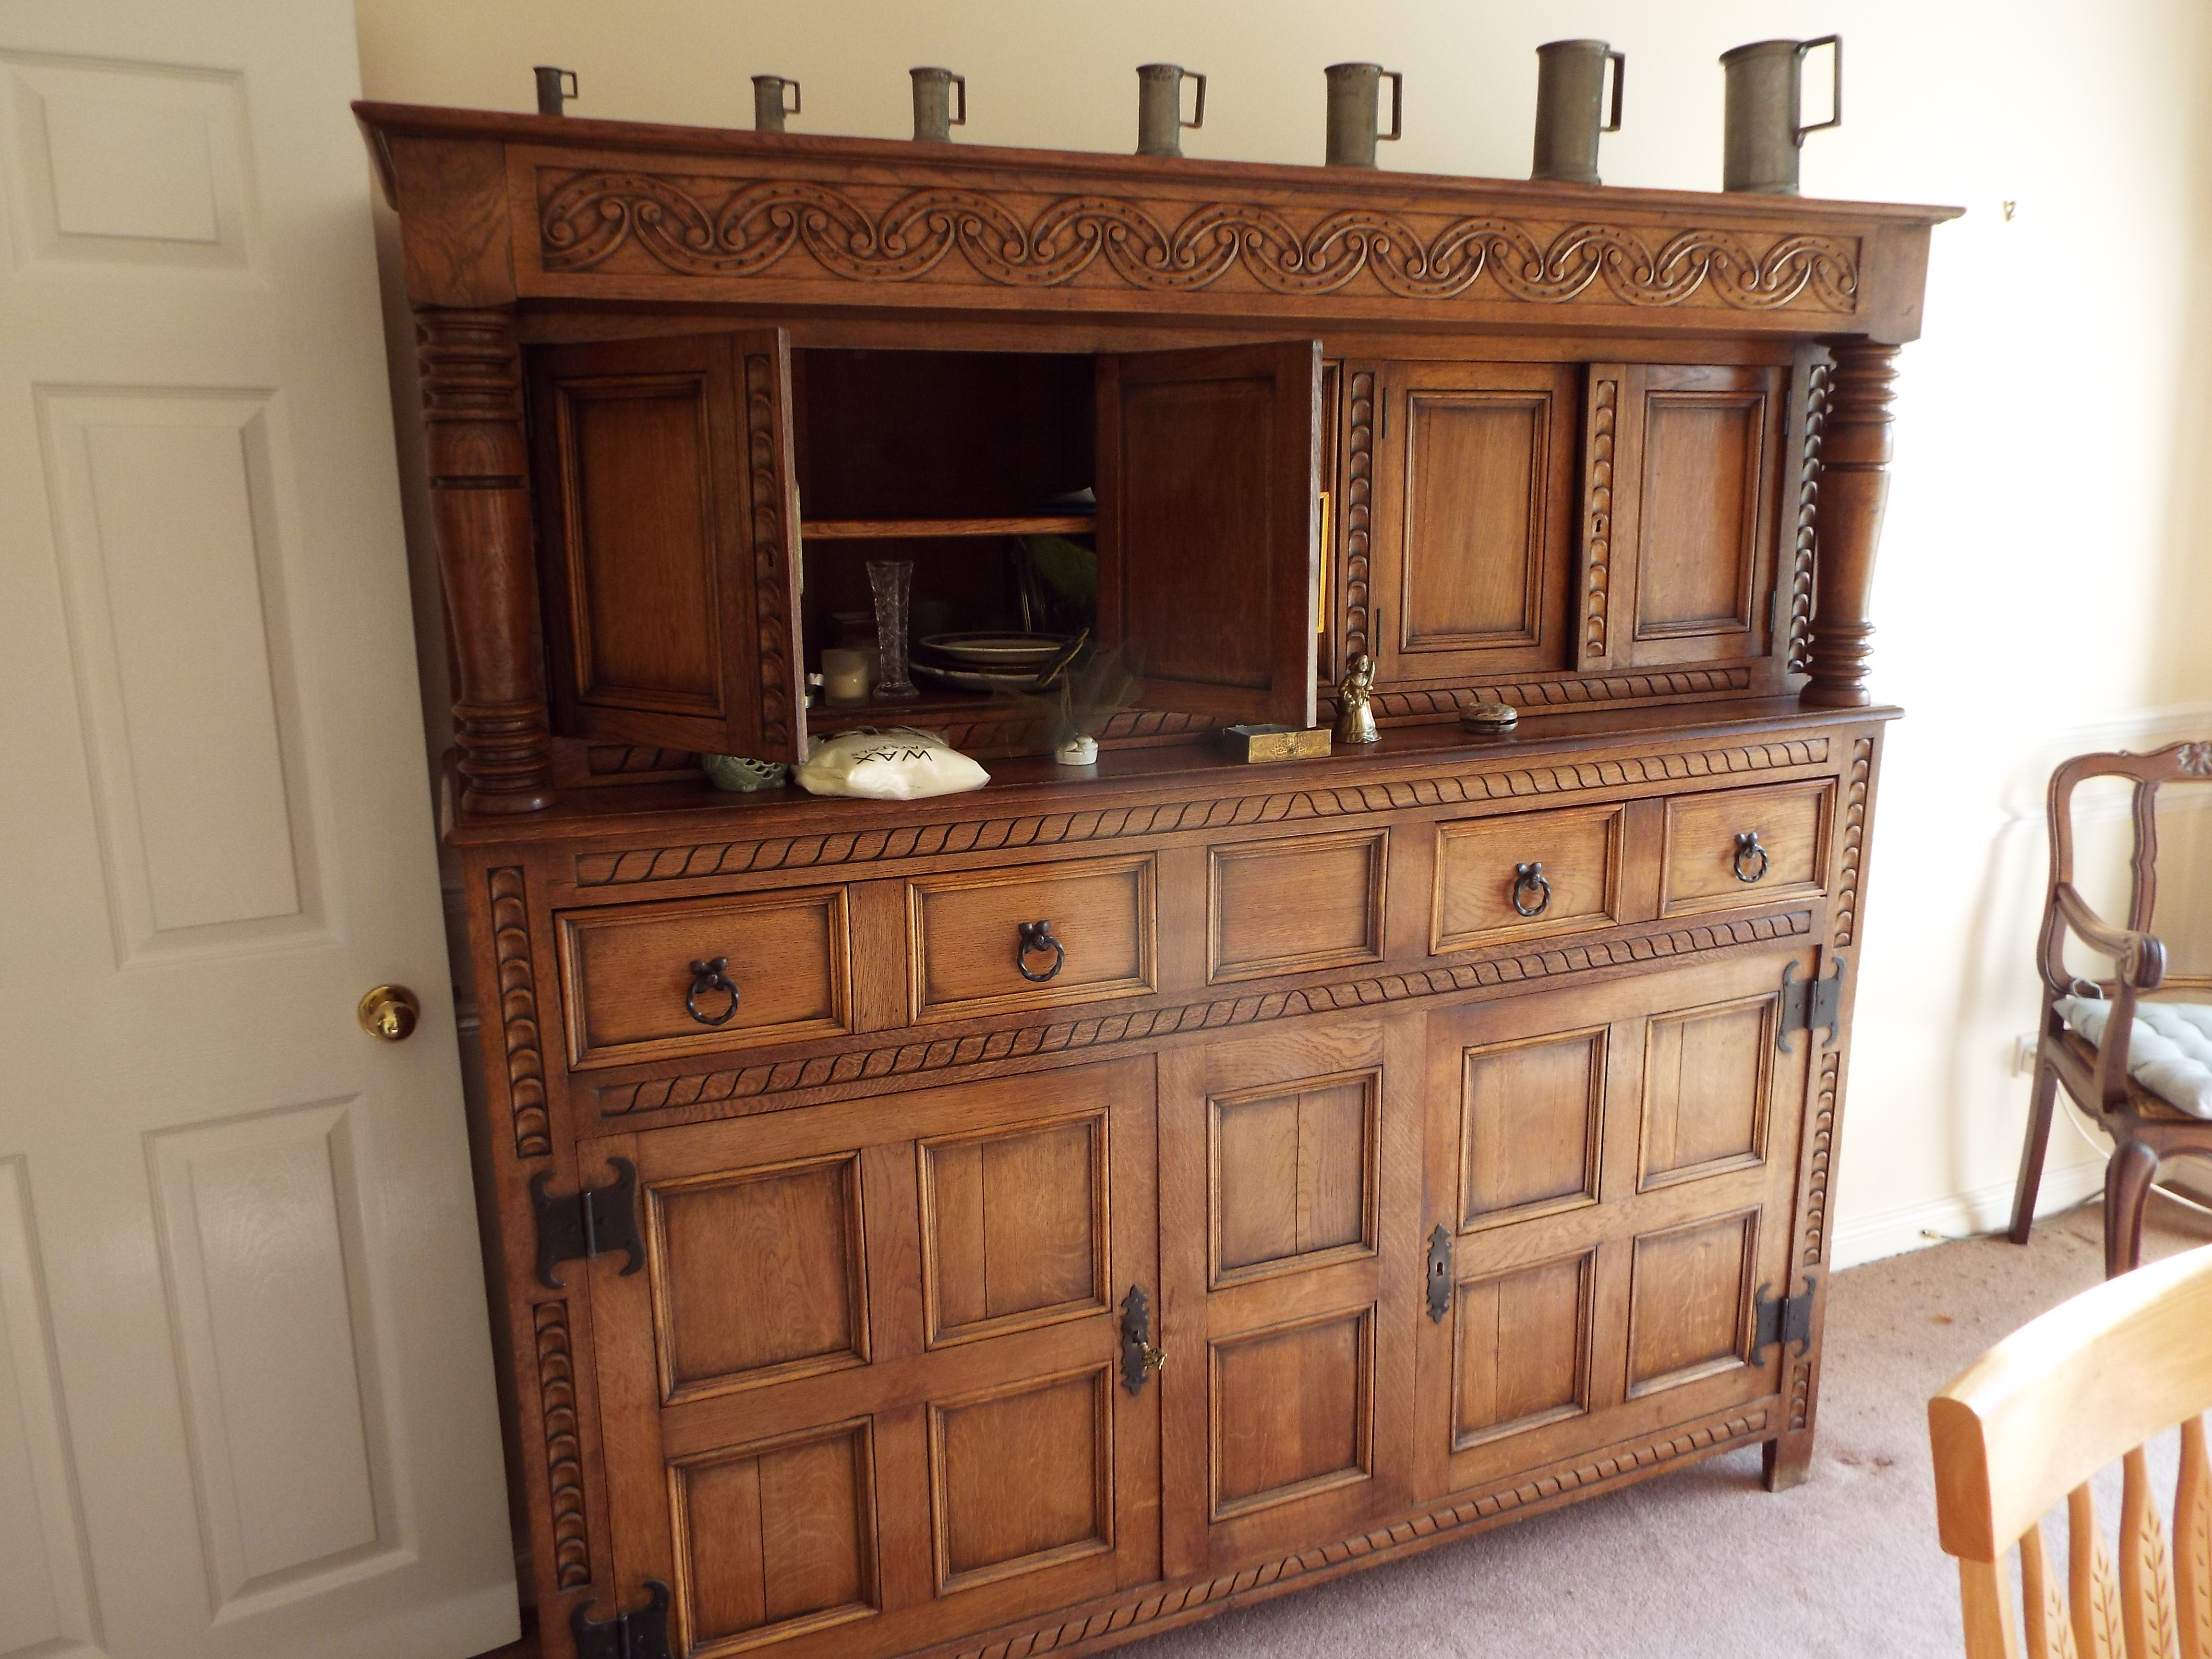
column 736, row 228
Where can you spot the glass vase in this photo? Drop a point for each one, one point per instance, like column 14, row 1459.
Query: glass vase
column 891, row 580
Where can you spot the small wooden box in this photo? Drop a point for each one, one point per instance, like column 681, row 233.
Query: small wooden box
column 1255, row 744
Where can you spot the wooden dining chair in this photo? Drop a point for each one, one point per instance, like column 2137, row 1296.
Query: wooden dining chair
column 2098, row 1055
column 2031, row 1420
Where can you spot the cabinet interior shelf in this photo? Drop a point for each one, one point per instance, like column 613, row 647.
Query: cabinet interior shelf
column 854, row 529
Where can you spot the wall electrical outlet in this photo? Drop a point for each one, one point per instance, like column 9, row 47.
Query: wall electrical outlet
column 2023, row 1056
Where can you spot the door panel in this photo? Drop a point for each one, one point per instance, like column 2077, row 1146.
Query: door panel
column 1209, row 478
column 1290, row 1183
column 666, row 538
column 1475, row 528
column 903, row 1420
column 1621, row 1161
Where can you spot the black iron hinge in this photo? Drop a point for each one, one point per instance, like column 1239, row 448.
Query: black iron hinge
column 1810, row 1005
column 1787, row 1320
column 588, row 1223
column 641, row 1633
column 1439, row 1272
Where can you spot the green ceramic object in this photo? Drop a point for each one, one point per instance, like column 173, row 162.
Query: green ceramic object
column 735, row 772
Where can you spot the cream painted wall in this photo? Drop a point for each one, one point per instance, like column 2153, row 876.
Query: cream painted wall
column 2047, row 570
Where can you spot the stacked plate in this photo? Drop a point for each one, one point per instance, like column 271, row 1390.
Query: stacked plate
column 989, row 662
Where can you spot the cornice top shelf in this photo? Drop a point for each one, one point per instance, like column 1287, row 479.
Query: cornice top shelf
column 854, row 529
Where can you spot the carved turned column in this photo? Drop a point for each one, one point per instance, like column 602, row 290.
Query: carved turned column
column 480, row 489
column 1853, row 488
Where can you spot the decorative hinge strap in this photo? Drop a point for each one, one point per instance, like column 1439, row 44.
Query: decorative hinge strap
column 588, row 1223
column 641, row 1633
column 1811, row 1004
column 1787, row 1320
column 1439, row 1272
column 1139, row 1359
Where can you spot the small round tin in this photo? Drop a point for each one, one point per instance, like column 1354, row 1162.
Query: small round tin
column 1490, row 718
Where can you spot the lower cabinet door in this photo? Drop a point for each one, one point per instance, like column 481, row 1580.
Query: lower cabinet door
column 865, row 1394
column 1611, row 1171
column 1290, row 1188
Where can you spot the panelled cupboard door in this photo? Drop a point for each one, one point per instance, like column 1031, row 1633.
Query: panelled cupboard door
column 1475, row 519
column 1209, row 508
column 1614, row 1171
column 866, row 1393
column 668, row 541
column 1290, row 1188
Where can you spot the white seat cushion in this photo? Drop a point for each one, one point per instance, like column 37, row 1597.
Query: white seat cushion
column 2170, row 1052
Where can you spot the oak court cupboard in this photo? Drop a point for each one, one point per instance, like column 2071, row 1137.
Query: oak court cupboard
column 1400, row 1142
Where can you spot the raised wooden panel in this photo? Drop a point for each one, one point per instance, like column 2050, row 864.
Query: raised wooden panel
column 1521, row 1346
column 1014, row 1228
column 1708, row 1075
column 1477, row 861
column 1293, row 1172
column 1532, row 1116
column 774, row 1540
column 1699, row 512
column 1689, row 1301
column 757, row 1276
column 1475, row 491
column 1292, row 1411
column 1281, row 907
column 642, row 564
column 964, row 930
column 627, row 973
column 1021, row 1478
column 1705, row 863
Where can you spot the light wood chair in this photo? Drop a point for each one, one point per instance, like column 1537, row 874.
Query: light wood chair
column 2031, row 1422
column 2145, row 1128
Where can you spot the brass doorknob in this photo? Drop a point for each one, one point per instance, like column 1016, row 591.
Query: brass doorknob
column 390, row 1011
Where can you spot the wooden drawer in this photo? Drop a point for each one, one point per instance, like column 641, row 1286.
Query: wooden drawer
column 964, row 932
column 1478, row 873
column 626, row 972
column 1708, row 865
column 1288, row 906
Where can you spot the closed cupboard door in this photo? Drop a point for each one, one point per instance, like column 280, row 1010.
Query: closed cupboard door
column 668, row 542
column 1209, row 480
column 1611, row 1176
column 1290, row 1191
column 866, row 1393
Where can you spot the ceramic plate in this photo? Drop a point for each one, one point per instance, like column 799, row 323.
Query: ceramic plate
column 996, row 651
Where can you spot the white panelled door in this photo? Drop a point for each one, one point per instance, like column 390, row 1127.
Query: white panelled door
column 245, row 1390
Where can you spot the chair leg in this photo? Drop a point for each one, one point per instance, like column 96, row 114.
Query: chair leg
column 2127, row 1189
column 2039, row 1105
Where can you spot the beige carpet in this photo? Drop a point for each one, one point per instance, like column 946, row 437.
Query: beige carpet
column 1705, row 1562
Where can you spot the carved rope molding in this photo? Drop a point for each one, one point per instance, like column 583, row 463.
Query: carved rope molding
column 588, row 217
column 518, row 1015
column 564, row 1451
column 771, row 603
column 1597, row 512
column 1053, row 1639
column 1060, row 829
column 1359, row 513
column 1562, row 693
column 908, row 1058
column 1819, row 389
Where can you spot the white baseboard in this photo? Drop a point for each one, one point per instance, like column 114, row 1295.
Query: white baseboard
column 1963, row 1215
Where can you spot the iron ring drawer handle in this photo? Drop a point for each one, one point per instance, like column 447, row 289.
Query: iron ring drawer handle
column 707, row 977
column 1530, row 878
column 1035, row 939
column 1746, row 844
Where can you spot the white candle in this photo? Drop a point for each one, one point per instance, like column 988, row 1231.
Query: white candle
column 844, row 676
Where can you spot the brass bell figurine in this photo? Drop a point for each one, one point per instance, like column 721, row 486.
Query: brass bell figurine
column 1355, row 720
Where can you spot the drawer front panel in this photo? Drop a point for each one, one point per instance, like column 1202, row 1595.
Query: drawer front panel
column 965, row 937
column 626, row 973
column 1710, row 863
column 1286, row 907
column 1479, row 875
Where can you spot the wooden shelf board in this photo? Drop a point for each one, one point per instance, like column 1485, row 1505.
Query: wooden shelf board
column 853, row 529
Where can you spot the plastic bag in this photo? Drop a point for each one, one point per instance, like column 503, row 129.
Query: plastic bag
column 901, row 765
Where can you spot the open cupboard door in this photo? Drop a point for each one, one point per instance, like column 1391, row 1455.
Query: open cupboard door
column 1208, row 524
column 668, row 542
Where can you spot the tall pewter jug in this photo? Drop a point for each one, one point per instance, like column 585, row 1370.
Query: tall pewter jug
column 1570, row 107
column 1766, row 94
column 1355, row 103
column 1159, row 107
column 768, row 109
column 555, row 86
column 934, row 119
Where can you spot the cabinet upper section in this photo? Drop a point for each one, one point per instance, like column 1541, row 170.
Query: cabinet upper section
column 497, row 208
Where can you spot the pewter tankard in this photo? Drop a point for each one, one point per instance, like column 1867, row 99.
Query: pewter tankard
column 555, row 86
column 1766, row 92
column 1355, row 102
column 1159, row 107
column 767, row 101
column 1570, row 107
column 934, row 119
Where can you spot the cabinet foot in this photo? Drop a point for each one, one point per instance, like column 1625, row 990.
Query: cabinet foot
column 1786, row 1461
